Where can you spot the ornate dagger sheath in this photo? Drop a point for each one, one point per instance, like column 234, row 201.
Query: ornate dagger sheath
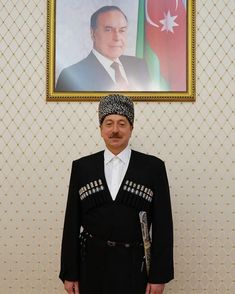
column 146, row 238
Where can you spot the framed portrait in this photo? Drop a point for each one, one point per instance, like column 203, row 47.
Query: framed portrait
column 142, row 48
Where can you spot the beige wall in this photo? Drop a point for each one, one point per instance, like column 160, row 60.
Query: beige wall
column 39, row 140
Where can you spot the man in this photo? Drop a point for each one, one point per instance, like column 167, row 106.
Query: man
column 106, row 68
column 106, row 193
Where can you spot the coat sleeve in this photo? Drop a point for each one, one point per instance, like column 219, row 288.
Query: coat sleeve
column 161, row 267
column 70, row 249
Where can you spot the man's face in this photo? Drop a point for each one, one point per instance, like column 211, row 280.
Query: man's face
column 116, row 131
column 109, row 36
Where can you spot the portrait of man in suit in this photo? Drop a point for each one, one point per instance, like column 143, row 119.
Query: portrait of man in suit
column 106, row 68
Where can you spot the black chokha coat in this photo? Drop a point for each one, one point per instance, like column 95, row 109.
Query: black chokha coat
column 90, row 205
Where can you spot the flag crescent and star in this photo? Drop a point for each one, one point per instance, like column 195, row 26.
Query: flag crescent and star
column 162, row 31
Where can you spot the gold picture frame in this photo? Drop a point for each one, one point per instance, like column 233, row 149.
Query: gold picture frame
column 54, row 26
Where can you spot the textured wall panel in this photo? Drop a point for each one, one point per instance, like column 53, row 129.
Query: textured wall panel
column 39, row 140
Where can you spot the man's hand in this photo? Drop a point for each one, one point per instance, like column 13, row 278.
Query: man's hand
column 71, row 287
column 155, row 288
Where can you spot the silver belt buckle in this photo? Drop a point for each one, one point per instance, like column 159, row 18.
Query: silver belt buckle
column 111, row 243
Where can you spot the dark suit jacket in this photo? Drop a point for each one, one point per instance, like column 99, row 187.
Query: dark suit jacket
column 90, row 75
column 90, row 205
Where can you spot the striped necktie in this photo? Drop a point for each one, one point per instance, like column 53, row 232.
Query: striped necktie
column 121, row 82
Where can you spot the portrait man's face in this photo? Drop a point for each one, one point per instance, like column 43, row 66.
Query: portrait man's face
column 109, row 36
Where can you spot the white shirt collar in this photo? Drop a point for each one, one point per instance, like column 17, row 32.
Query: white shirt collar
column 124, row 156
column 106, row 62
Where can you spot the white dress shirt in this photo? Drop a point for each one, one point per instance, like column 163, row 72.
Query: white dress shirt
column 115, row 168
column 107, row 65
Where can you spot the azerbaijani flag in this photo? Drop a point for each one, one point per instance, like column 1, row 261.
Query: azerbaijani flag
column 161, row 41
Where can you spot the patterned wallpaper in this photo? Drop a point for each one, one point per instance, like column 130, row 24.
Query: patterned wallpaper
column 39, row 140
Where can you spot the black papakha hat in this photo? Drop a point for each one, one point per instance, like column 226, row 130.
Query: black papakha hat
column 116, row 104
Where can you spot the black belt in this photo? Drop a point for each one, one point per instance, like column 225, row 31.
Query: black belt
column 111, row 243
